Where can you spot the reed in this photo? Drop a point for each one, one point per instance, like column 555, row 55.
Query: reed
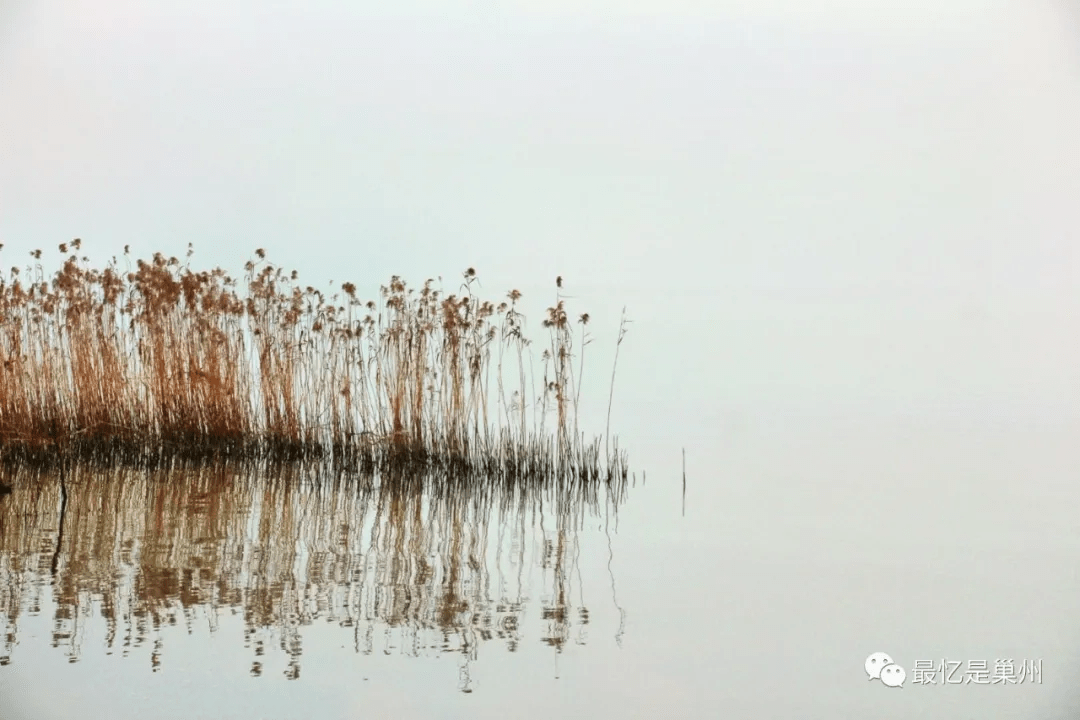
column 158, row 361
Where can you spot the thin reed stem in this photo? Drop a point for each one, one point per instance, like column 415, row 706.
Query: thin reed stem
column 160, row 359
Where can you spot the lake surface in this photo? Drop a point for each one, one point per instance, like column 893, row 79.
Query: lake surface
column 284, row 592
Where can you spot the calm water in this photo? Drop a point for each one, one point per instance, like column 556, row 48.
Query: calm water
column 289, row 593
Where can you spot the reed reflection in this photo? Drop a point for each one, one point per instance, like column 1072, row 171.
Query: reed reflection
column 403, row 564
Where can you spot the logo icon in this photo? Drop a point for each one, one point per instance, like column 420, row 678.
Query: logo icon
column 879, row 666
column 893, row 676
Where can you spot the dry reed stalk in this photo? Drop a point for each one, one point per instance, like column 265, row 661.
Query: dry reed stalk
column 162, row 360
column 611, row 395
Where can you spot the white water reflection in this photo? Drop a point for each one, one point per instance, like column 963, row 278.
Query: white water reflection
column 400, row 565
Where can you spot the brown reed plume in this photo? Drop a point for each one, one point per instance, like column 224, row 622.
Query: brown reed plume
column 160, row 361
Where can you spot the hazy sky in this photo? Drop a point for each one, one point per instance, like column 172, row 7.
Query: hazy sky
column 878, row 199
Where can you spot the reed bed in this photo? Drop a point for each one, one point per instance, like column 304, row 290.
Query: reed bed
column 157, row 361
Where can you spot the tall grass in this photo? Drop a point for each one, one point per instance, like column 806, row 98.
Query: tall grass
column 159, row 360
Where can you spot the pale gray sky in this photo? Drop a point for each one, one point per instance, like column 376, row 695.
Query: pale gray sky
column 875, row 201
